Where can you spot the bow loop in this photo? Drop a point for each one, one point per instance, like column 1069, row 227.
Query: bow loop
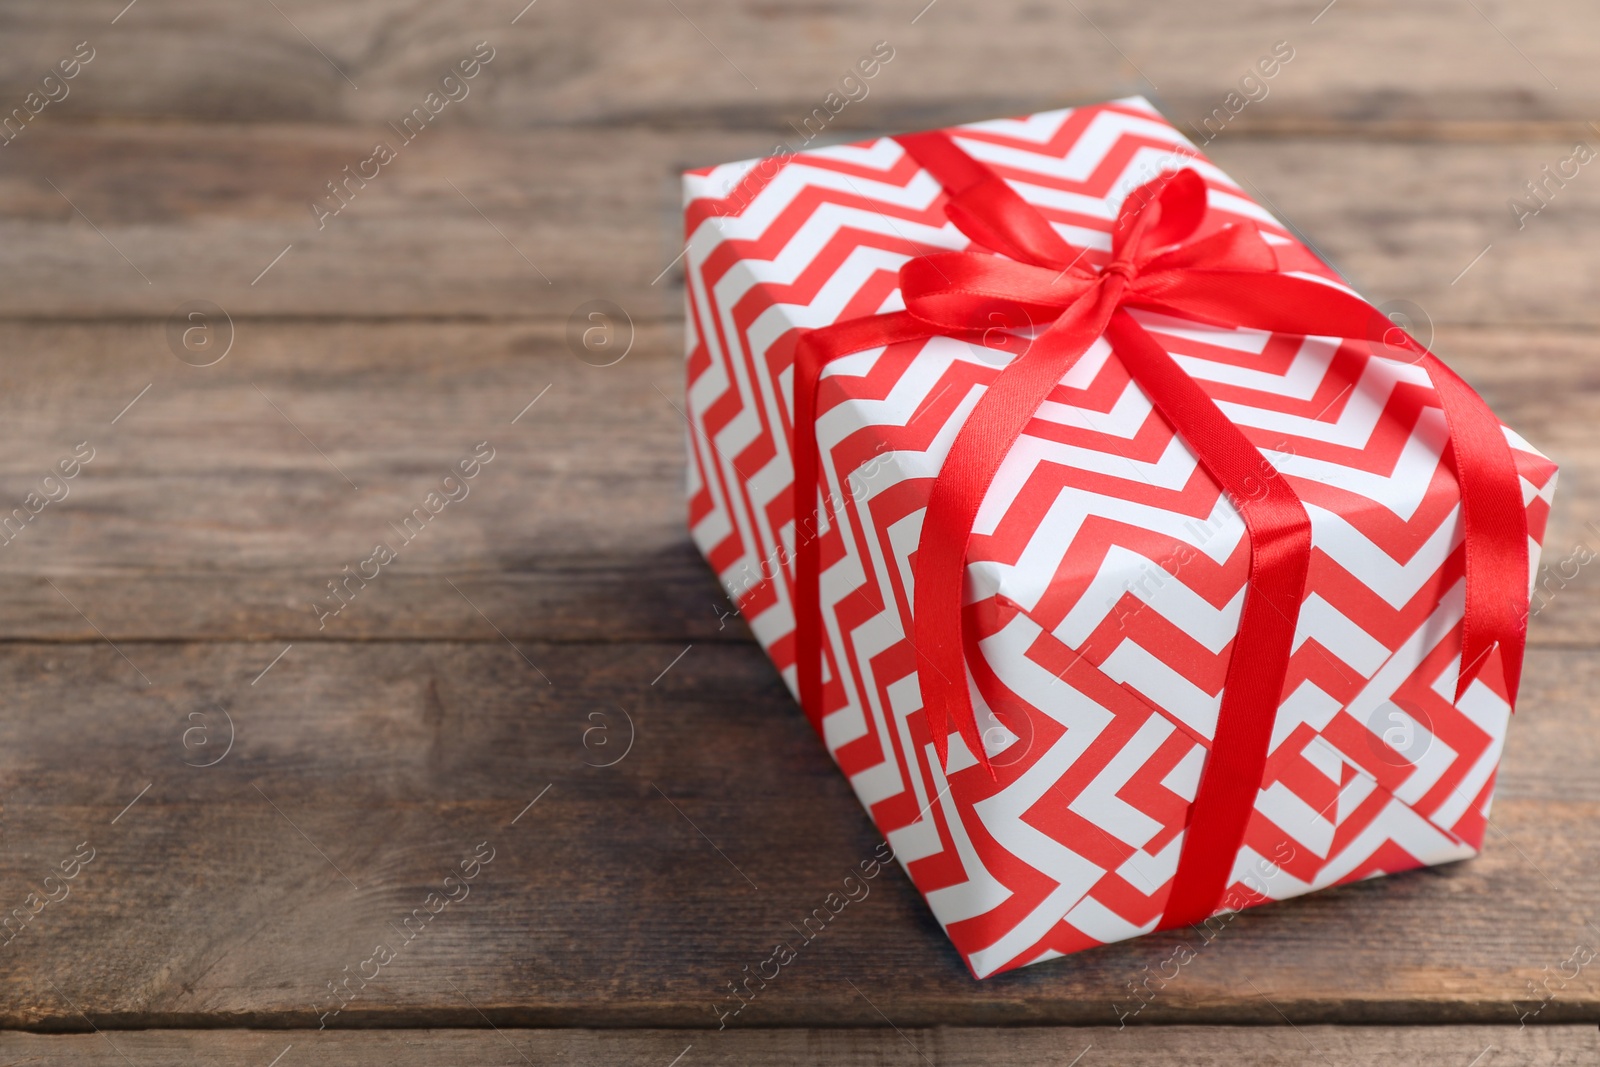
column 963, row 291
column 1234, row 247
column 995, row 217
column 1036, row 277
column 1159, row 213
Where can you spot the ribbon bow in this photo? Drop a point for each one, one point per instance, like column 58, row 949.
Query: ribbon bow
column 1028, row 275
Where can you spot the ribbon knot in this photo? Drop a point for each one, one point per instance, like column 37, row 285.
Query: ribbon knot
column 1021, row 269
column 1119, row 267
column 1021, row 274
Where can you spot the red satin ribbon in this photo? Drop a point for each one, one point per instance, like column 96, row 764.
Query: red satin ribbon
column 1229, row 278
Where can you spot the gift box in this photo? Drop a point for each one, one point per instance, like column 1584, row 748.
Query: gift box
column 1149, row 573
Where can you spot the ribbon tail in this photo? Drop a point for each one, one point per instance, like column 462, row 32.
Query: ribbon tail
column 1492, row 507
column 1496, row 532
column 937, row 715
column 814, row 350
column 995, row 423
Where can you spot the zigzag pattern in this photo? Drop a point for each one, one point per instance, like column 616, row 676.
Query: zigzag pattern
column 1105, row 578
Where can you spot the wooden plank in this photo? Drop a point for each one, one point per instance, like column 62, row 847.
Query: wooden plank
column 205, row 515
column 362, row 775
column 472, row 223
column 226, row 487
column 268, row 797
column 759, row 63
column 1164, row 1046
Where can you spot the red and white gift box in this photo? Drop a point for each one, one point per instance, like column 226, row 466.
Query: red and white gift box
column 1105, row 575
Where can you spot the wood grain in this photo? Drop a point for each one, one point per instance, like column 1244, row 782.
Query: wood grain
column 1550, row 1046
column 476, row 223
column 242, row 489
column 269, row 794
column 758, row 63
column 206, row 515
column 362, row 774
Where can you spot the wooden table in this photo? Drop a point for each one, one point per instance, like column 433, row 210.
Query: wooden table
column 546, row 676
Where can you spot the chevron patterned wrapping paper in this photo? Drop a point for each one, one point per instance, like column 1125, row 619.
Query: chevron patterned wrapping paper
column 1101, row 544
